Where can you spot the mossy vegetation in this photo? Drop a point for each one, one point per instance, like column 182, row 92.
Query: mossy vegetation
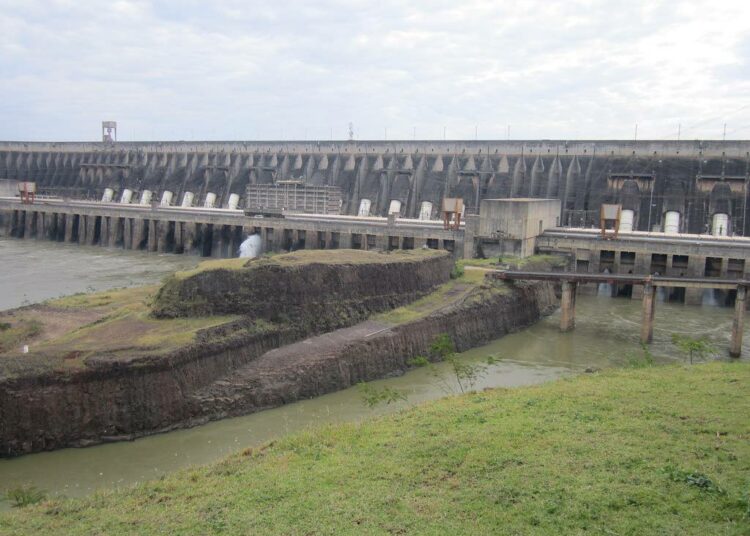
column 452, row 292
column 308, row 256
column 532, row 262
column 64, row 332
column 656, row 450
column 14, row 334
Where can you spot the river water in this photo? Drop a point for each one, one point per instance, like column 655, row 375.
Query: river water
column 606, row 334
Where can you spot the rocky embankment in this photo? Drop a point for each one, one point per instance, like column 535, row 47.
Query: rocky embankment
column 242, row 366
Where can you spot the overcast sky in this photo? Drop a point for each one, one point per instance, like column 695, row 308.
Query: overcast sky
column 232, row 69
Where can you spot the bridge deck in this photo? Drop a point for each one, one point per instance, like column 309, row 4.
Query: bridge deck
column 624, row 279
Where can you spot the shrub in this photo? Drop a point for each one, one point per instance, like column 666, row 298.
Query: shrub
column 24, row 496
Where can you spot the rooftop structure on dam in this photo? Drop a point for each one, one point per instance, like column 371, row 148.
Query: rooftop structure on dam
column 684, row 187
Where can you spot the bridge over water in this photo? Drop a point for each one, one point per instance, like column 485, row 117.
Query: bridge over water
column 570, row 281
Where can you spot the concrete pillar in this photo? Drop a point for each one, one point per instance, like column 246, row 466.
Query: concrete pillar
column 738, row 324
column 112, row 230
column 127, row 234
column 90, row 230
column 568, row 306
column 41, row 225
column 178, row 239
column 189, row 234
column 696, row 268
column 28, row 226
column 217, row 241
column 381, row 242
column 345, row 240
column 81, row 229
column 153, row 236
column 8, row 218
column 649, row 306
column 139, row 233
column 69, row 219
column 104, row 231
column 162, row 231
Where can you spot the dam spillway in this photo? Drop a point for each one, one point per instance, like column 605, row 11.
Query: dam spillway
column 692, row 181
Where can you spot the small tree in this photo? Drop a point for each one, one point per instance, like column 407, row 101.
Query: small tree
column 464, row 373
column 693, row 347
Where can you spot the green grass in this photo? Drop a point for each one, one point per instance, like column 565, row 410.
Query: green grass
column 658, row 450
column 444, row 295
column 480, row 263
column 297, row 258
column 16, row 333
column 536, row 262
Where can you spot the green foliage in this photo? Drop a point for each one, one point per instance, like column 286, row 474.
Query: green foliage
column 693, row 478
column 646, row 359
column 374, row 396
column 419, row 361
column 457, row 271
column 4, row 326
column 13, row 336
column 693, row 347
column 464, row 373
column 23, row 496
column 579, row 456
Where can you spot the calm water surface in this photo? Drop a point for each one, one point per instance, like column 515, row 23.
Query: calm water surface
column 606, row 334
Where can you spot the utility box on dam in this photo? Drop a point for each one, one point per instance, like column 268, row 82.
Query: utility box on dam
column 510, row 226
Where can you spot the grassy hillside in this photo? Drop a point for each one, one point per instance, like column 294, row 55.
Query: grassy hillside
column 661, row 450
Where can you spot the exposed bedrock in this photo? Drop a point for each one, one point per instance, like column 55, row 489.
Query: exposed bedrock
column 321, row 294
column 118, row 400
column 680, row 176
column 286, row 375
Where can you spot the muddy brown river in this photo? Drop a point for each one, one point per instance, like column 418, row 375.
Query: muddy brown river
column 606, row 334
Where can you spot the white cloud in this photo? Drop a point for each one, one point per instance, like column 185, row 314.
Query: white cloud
column 234, row 69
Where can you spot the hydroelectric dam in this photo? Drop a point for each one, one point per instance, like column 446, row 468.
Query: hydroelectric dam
column 194, row 196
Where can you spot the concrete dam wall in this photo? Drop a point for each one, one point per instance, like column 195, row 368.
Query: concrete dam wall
column 693, row 181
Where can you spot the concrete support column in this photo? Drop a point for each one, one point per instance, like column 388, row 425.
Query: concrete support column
column 345, row 241
column 8, row 218
column 127, row 233
column 189, row 234
column 178, row 239
column 649, row 306
column 69, row 219
column 161, row 236
column 104, row 231
column 381, row 242
column 738, row 324
column 568, row 306
column 217, row 242
column 28, row 226
column 90, row 230
column 81, row 229
column 41, row 225
column 112, row 230
column 153, row 238
column 696, row 268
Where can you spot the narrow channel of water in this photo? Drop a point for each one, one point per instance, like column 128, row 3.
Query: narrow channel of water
column 606, row 334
